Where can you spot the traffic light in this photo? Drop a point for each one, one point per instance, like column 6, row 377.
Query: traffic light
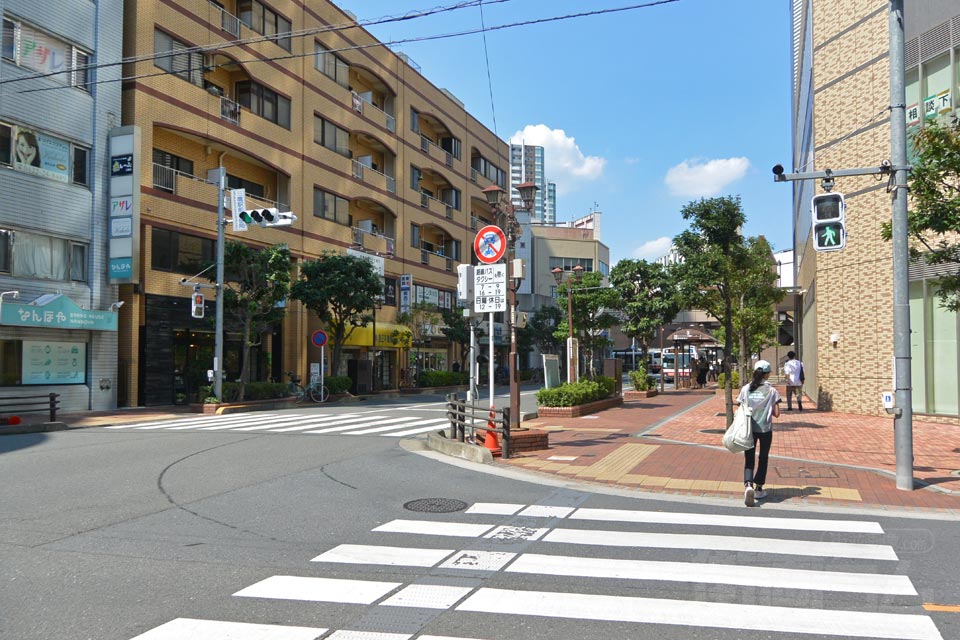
column 829, row 222
column 267, row 217
column 197, row 299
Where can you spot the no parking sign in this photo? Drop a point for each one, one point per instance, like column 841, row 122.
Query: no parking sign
column 318, row 338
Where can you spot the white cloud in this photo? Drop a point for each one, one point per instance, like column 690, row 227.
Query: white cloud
column 653, row 249
column 565, row 164
column 697, row 178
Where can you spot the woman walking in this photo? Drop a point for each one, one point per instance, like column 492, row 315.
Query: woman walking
column 763, row 405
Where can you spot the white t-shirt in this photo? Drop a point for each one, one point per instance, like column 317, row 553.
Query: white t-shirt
column 762, row 401
column 792, row 369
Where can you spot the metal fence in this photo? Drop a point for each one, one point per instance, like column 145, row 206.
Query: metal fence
column 466, row 419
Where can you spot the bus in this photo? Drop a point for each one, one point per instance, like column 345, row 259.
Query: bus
column 669, row 360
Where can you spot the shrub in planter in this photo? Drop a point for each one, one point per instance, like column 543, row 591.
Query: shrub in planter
column 721, row 379
column 443, row 378
column 253, row 391
column 337, row 384
column 607, row 385
column 576, row 393
column 641, row 380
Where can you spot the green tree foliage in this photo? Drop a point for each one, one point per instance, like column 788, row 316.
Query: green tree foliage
column 713, row 257
column 255, row 281
column 934, row 218
column 592, row 307
column 457, row 330
column 342, row 290
column 753, row 318
column 540, row 329
column 649, row 298
column 419, row 320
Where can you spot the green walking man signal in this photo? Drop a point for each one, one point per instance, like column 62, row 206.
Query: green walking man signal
column 829, row 222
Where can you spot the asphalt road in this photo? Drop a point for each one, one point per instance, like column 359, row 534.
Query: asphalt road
column 210, row 533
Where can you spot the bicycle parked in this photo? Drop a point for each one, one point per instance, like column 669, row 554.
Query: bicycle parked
column 316, row 390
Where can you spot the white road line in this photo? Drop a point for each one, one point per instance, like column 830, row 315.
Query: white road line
column 411, row 422
column 319, row 589
column 751, row 544
column 364, row 422
column 582, row 606
column 427, row 596
column 746, row 576
column 389, row 556
column 367, row 635
column 301, row 421
column 166, row 423
column 455, row 529
column 659, row 517
column 317, row 421
column 182, row 628
column 410, row 432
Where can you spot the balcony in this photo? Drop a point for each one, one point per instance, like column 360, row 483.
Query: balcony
column 229, row 110
column 479, row 179
column 373, row 177
column 436, row 206
column 373, row 242
column 228, row 22
column 431, row 149
column 373, row 112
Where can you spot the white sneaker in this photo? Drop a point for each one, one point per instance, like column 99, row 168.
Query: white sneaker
column 759, row 494
column 748, row 495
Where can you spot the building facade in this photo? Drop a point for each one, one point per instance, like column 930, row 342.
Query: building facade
column 58, row 320
column 527, row 165
column 841, row 120
column 327, row 124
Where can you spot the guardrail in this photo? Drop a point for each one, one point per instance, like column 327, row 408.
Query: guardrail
column 11, row 407
column 464, row 419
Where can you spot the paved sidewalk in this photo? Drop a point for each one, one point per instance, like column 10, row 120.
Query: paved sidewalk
column 671, row 444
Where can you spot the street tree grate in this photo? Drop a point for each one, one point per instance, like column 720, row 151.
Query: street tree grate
column 435, row 505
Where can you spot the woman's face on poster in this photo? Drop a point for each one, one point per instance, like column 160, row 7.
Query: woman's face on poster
column 25, row 151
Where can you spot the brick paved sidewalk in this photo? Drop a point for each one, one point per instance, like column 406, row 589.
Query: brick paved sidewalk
column 671, row 444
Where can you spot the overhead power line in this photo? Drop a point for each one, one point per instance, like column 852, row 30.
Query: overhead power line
column 371, row 45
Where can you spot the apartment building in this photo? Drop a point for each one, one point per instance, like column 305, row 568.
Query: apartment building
column 840, row 120
column 58, row 320
column 309, row 114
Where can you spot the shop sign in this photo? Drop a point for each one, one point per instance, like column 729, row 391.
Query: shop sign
column 56, row 311
column 54, row 362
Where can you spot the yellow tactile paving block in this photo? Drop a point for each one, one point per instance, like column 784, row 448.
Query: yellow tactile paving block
column 656, row 481
column 618, row 463
column 554, row 466
column 679, row 483
column 632, row 478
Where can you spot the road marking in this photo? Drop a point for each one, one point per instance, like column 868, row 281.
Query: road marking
column 367, row 635
column 390, row 556
column 319, row 589
column 182, row 628
column 453, row 529
column 427, row 596
column 584, row 606
column 706, row 519
column 364, row 422
column 411, row 432
column 417, row 422
column 949, row 608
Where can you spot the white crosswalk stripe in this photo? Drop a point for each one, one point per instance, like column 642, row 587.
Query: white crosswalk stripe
column 555, row 583
column 352, row 424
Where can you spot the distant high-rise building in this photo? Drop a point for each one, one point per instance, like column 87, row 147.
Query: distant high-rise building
column 550, row 215
column 526, row 165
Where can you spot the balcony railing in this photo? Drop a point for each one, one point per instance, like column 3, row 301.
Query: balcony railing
column 362, row 105
column 434, row 204
column 478, row 178
column 373, row 242
column 228, row 22
column 196, row 188
column 229, row 110
column 372, row 176
column 430, row 148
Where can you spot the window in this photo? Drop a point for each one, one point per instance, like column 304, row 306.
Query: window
column 32, row 255
column 331, row 136
column 180, row 253
column 20, row 364
column 79, row 166
column 415, row 235
column 331, row 66
column 252, row 188
column 451, row 197
column 330, row 206
column 180, row 62
column 265, row 21
column 567, row 264
column 166, row 166
column 414, row 120
column 38, row 51
column 451, row 145
column 6, row 132
column 390, row 292
column 415, row 178
column 264, row 102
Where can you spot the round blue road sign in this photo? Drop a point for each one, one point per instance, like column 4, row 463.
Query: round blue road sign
column 319, row 338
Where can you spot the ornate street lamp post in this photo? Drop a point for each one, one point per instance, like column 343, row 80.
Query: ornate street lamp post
column 571, row 351
column 507, row 219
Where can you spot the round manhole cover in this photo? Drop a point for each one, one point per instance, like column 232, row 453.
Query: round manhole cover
column 435, row 505
column 717, row 431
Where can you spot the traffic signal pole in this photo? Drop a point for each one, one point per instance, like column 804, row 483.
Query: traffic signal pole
column 220, row 172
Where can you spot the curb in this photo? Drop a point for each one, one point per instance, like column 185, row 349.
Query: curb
column 43, row 427
column 453, row 448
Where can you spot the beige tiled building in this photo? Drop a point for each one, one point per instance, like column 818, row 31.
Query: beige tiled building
column 841, row 120
column 366, row 152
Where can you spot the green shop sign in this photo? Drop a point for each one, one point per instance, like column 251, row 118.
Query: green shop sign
column 56, row 311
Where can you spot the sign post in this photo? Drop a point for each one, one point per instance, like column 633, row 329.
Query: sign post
column 319, row 339
column 490, row 283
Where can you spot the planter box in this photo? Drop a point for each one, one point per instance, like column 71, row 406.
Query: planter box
column 580, row 409
column 640, row 395
column 247, row 405
column 528, row 440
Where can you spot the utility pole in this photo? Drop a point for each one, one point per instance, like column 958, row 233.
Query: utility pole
column 220, row 173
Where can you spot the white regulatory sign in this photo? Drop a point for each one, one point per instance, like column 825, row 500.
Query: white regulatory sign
column 489, row 288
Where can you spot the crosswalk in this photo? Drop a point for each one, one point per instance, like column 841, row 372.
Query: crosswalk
column 495, row 560
column 351, row 424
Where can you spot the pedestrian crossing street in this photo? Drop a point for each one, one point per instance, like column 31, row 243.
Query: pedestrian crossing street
column 349, row 424
column 452, row 557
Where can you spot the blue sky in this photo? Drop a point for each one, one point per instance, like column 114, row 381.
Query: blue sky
column 640, row 111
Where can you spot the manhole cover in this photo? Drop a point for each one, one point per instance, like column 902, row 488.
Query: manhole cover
column 719, row 431
column 806, row 472
column 435, row 505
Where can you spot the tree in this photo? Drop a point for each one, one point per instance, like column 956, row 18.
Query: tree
column 753, row 319
column 342, row 290
column 457, row 330
column 934, row 218
column 541, row 327
column 419, row 320
column 255, row 281
column 592, row 304
column 649, row 298
column 713, row 255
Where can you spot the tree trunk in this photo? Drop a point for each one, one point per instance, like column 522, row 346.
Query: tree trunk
column 727, row 340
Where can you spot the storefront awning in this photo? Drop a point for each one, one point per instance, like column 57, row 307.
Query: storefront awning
column 56, row 311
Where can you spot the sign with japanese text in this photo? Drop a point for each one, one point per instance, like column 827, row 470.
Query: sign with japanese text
column 406, row 289
column 124, row 212
column 54, row 362
column 56, row 311
column 490, row 288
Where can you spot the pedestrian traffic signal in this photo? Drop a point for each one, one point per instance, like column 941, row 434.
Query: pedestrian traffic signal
column 829, row 222
column 267, row 217
column 197, row 300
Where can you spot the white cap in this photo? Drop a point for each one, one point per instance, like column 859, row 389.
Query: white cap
column 762, row 365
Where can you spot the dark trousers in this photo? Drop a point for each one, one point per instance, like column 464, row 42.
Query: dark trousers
column 760, row 477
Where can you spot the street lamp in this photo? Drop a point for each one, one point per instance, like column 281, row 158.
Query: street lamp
column 506, row 216
column 571, row 351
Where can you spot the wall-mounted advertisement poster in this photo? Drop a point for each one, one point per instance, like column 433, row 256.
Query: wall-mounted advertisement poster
column 41, row 155
column 54, row 362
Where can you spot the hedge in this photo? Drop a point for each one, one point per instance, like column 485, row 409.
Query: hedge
column 253, row 391
column 572, row 394
column 434, row 378
column 337, row 384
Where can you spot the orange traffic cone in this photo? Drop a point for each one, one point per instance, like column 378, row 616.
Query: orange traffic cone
column 490, row 440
